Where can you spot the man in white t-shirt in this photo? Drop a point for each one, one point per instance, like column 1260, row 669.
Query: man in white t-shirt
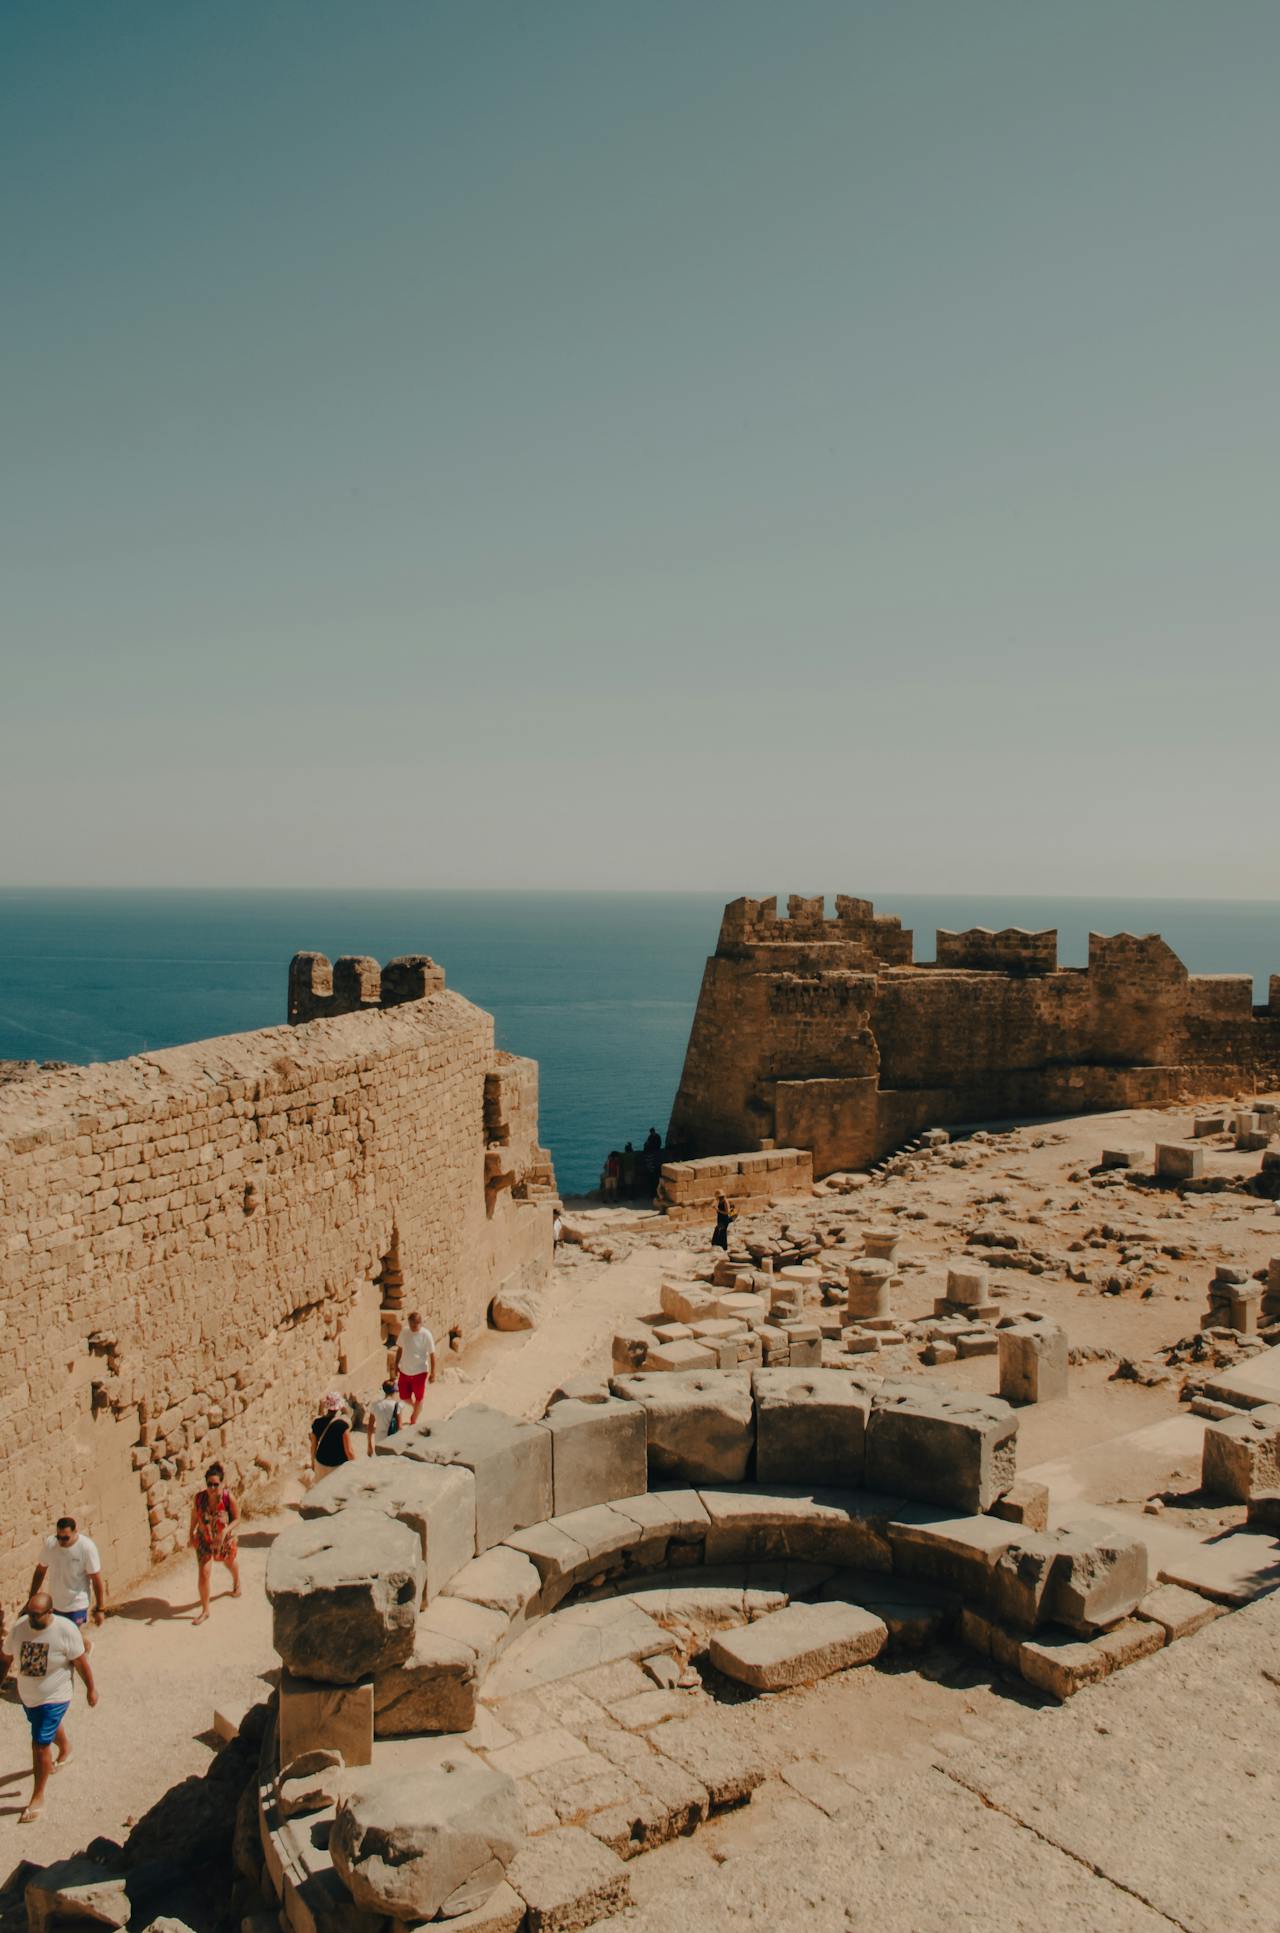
column 47, row 1650
column 73, row 1567
column 382, row 1419
column 414, row 1363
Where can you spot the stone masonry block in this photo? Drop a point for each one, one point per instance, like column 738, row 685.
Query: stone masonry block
column 941, row 1446
column 967, row 1284
column 511, row 1462
column 438, row 1503
column 1241, row 1455
column 315, row 1717
column 700, row 1426
column 344, row 1592
column 1085, row 1574
column 433, row 1690
column 435, row 1842
column 598, row 1452
column 1033, row 1362
column 1177, row 1162
column 811, row 1426
column 798, row 1645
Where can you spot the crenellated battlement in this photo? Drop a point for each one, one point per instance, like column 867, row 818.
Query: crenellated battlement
column 756, row 922
column 1012, row 950
column 822, row 1032
column 357, row 984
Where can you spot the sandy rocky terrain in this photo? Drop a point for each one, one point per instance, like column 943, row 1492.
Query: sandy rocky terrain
column 897, row 1796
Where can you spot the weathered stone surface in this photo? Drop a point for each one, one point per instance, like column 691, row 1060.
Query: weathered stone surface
column 515, row 1308
column 434, row 1689
column 1061, row 1663
column 511, row 1462
column 503, row 1579
column 941, row 1446
column 436, row 1502
column 1025, row 1502
column 1033, row 1362
column 810, row 1426
column 959, row 1553
column 1241, row 1455
column 568, row 1880
column 76, row 1889
column 598, row 1452
column 425, row 1843
column 1179, row 1613
column 576, row 1639
column 315, row 1717
column 685, row 1301
column 344, row 1591
column 799, row 1645
column 1177, row 1162
column 309, row 1782
column 1084, row 1574
column 818, row 1526
column 727, row 1768
column 700, row 1427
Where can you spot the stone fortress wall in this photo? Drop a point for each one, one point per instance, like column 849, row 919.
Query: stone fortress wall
column 824, row 1033
column 194, row 1243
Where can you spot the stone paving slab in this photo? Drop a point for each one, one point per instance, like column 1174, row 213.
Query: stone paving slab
column 1165, row 1777
column 573, row 1640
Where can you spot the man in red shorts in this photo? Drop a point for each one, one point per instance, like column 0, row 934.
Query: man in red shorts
column 414, row 1363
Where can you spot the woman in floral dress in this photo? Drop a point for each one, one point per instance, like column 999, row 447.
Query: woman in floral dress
column 214, row 1516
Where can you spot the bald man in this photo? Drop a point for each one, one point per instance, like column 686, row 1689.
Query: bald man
column 48, row 1650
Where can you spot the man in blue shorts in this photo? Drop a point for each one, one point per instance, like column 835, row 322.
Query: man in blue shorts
column 47, row 1651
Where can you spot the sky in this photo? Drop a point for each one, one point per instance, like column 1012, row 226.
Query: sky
column 674, row 444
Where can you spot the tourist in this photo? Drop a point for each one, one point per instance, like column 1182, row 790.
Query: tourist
column 382, row 1419
column 725, row 1214
column 653, row 1158
column 610, row 1177
column 557, row 1234
column 47, row 1649
column 330, row 1435
column 214, row 1516
column 70, row 1561
column 415, row 1363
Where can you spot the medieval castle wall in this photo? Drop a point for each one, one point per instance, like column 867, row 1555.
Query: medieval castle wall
column 824, row 1034
column 191, row 1243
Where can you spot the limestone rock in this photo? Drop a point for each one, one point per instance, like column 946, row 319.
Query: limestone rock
column 798, row 1645
column 515, row 1308
column 344, row 1594
column 436, row 1501
column 568, row 1880
column 810, row 1426
column 941, row 1446
column 598, row 1453
column 700, row 1425
column 76, row 1889
column 426, row 1843
column 511, row 1462
column 309, row 1782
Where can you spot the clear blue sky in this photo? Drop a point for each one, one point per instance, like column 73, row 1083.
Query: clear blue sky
column 739, row 445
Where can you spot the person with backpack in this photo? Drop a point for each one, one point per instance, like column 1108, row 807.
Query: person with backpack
column 382, row 1419
column 330, row 1436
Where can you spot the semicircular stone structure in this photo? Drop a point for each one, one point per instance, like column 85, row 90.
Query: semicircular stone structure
column 586, row 1557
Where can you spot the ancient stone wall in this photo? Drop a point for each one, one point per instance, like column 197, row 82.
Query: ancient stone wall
column 191, row 1241
column 822, row 1034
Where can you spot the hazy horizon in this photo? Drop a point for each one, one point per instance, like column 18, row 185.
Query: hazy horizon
column 595, row 448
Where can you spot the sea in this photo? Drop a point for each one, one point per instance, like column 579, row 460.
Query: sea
column 599, row 988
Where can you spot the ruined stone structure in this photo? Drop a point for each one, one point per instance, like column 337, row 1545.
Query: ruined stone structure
column 195, row 1244
column 824, row 1034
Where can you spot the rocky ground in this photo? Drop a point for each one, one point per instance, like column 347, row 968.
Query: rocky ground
column 901, row 1798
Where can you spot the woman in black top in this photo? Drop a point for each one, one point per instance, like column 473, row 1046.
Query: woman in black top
column 330, row 1436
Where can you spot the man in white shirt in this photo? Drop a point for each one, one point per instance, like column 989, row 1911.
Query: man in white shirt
column 414, row 1363
column 73, row 1567
column 382, row 1419
column 47, row 1650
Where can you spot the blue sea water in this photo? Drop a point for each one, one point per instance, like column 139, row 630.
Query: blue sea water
column 598, row 987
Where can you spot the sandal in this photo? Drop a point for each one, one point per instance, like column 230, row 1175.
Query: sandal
column 30, row 1815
